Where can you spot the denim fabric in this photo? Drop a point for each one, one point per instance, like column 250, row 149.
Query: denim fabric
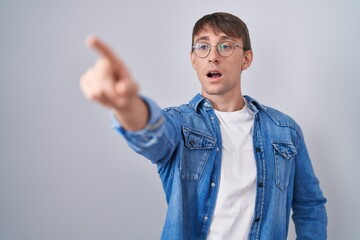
column 185, row 144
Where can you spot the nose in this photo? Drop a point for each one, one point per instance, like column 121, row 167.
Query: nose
column 214, row 56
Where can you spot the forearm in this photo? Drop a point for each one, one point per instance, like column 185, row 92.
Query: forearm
column 157, row 139
column 135, row 116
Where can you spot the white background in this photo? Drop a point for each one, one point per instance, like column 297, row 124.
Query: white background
column 64, row 174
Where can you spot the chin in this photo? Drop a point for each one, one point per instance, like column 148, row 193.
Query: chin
column 211, row 92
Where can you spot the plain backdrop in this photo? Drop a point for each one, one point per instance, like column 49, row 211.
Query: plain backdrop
column 65, row 175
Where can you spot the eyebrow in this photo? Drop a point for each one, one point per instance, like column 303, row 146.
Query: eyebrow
column 222, row 38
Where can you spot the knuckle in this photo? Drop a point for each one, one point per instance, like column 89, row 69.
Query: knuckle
column 103, row 63
column 83, row 80
column 126, row 87
column 86, row 77
column 95, row 95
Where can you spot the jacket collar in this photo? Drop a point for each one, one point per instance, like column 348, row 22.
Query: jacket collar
column 198, row 100
column 254, row 105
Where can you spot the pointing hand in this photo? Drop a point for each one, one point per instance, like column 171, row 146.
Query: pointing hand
column 108, row 82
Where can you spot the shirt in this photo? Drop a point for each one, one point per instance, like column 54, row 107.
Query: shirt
column 235, row 204
column 185, row 144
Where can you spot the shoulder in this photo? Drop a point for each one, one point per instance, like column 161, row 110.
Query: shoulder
column 182, row 114
column 191, row 107
column 280, row 118
column 272, row 116
column 184, row 108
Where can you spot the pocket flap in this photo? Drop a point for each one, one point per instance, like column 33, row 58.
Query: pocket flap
column 197, row 140
column 286, row 149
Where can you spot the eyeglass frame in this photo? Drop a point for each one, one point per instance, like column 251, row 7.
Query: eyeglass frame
column 217, row 50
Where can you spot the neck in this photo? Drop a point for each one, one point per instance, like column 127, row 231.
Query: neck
column 226, row 104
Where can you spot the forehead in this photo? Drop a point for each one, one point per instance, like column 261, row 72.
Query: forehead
column 207, row 34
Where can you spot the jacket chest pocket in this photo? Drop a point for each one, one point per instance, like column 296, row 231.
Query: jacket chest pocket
column 196, row 152
column 284, row 153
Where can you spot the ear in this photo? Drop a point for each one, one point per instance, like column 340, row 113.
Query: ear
column 248, row 57
column 192, row 59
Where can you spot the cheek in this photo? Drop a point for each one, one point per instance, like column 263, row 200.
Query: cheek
column 193, row 60
column 193, row 65
column 234, row 69
column 198, row 67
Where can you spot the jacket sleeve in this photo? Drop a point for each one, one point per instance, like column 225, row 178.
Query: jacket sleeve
column 157, row 140
column 309, row 213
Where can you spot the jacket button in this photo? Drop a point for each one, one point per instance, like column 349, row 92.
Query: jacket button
column 192, row 143
column 258, row 149
column 261, row 184
column 212, row 184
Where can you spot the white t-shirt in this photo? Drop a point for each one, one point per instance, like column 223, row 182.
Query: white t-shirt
column 235, row 203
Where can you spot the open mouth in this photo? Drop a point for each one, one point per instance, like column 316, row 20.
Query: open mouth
column 213, row 74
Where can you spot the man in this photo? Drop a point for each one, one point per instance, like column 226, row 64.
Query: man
column 231, row 168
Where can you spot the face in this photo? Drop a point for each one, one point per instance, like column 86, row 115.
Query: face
column 220, row 76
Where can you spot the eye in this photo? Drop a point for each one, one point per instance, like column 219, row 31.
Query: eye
column 201, row 46
column 225, row 46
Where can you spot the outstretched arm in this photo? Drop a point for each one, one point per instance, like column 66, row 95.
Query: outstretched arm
column 109, row 83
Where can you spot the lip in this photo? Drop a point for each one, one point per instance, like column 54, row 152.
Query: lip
column 215, row 78
column 213, row 70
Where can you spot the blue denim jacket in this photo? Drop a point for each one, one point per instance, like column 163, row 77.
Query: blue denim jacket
column 185, row 144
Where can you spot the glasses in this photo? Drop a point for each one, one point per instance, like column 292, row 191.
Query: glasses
column 224, row 49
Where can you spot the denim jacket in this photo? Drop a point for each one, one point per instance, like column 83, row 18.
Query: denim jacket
column 185, row 144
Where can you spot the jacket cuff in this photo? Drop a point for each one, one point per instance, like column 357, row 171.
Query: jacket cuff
column 156, row 119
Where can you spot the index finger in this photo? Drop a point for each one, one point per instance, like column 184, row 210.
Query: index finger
column 105, row 51
column 102, row 49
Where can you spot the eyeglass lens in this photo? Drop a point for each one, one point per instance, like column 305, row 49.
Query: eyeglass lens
column 224, row 49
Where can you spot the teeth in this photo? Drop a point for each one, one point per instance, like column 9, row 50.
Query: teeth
column 211, row 74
